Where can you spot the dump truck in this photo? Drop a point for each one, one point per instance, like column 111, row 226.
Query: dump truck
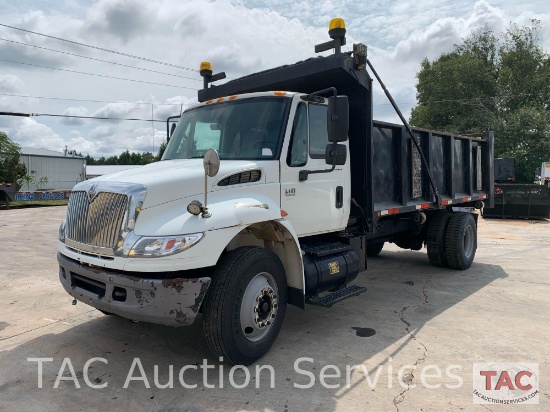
column 274, row 190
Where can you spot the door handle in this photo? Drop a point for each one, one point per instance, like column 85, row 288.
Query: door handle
column 339, row 197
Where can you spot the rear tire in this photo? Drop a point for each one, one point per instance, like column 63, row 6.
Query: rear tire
column 461, row 241
column 435, row 241
column 374, row 249
column 245, row 305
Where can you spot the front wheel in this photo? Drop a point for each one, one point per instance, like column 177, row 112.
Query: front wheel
column 245, row 305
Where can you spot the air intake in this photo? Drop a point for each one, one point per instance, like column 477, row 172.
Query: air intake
column 240, row 178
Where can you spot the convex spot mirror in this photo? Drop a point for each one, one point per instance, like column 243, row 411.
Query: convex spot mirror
column 338, row 118
column 338, row 152
column 211, row 162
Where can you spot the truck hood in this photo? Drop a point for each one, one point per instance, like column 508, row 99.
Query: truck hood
column 170, row 180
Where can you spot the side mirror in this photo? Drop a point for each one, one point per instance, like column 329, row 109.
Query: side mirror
column 171, row 126
column 338, row 118
column 211, row 163
column 336, row 154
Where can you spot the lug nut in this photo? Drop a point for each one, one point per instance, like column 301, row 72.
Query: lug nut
column 256, row 310
column 275, row 306
column 268, row 323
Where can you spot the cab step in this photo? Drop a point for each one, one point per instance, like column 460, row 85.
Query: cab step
column 337, row 296
column 327, row 249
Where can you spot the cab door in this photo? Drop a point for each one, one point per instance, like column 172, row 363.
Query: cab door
column 320, row 203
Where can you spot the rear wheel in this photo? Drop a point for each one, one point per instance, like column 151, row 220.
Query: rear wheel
column 435, row 241
column 374, row 249
column 461, row 241
column 245, row 305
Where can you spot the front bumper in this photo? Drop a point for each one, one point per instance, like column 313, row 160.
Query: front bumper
column 171, row 302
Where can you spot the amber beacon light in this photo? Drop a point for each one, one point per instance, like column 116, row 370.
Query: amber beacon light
column 337, row 32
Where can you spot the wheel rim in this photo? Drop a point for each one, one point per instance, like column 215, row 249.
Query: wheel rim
column 259, row 307
column 469, row 241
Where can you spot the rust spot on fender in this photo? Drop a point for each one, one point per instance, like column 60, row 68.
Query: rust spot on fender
column 181, row 317
column 139, row 296
column 177, row 284
column 200, row 297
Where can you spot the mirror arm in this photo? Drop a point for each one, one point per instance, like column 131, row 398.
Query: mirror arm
column 311, row 96
column 303, row 174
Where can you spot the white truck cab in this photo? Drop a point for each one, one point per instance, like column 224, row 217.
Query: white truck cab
column 129, row 245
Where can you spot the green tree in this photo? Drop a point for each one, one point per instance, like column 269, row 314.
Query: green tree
column 147, row 158
column 10, row 169
column 125, row 158
column 90, row 160
column 481, row 83
column 456, row 92
column 111, row 160
column 162, row 148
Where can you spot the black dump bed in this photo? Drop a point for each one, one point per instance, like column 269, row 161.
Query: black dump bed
column 387, row 174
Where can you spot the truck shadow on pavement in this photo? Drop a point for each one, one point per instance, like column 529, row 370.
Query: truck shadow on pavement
column 387, row 324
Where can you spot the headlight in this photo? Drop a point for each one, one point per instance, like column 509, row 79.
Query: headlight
column 163, row 246
column 61, row 236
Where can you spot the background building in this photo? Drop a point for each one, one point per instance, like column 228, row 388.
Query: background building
column 51, row 170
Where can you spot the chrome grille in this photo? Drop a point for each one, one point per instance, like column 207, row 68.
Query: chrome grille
column 98, row 222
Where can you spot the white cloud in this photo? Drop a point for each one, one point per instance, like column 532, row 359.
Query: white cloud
column 118, row 110
column 28, row 132
column 74, row 111
column 11, row 84
column 237, row 36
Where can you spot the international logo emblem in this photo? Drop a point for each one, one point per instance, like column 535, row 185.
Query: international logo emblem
column 92, row 193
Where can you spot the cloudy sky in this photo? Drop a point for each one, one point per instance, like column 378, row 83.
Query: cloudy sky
column 237, row 36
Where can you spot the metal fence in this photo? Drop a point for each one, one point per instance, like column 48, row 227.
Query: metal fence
column 514, row 200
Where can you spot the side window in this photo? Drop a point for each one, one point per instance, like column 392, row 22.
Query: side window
column 318, row 136
column 297, row 150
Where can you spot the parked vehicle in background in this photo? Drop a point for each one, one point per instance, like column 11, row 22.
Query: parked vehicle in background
column 517, row 200
column 545, row 174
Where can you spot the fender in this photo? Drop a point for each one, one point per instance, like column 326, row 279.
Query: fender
column 230, row 217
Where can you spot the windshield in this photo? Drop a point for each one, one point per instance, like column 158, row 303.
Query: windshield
column 246, row 129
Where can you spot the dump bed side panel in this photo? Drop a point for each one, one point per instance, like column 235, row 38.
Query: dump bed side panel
column 461, row 168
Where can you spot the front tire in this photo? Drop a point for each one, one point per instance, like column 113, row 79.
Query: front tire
column 245, row 305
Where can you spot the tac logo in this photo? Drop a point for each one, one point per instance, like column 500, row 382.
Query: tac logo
column 506, row 383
